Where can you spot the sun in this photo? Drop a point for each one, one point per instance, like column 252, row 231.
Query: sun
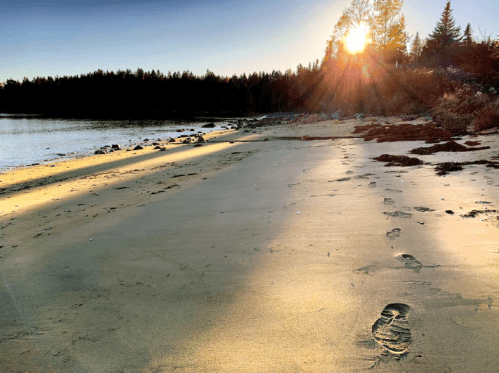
column 356, row 39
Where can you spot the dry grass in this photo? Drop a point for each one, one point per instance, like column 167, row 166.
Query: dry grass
column 486, row 118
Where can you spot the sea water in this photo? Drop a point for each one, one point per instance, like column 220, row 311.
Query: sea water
column 30, row 140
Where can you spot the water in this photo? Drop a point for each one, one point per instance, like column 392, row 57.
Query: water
column 29, row 140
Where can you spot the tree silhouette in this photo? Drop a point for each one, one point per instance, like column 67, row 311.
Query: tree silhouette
column 468, row 36
column 444, row 36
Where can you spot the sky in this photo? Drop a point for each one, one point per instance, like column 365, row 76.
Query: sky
column 73, row 37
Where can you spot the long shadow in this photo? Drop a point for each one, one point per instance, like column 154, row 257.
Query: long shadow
column 13, row 189
column 74, row 269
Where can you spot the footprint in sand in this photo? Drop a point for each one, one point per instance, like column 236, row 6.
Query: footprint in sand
column 410, row 262
column 395, row 232
column 390, row 330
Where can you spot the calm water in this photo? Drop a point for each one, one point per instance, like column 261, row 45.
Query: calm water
column 28, row 140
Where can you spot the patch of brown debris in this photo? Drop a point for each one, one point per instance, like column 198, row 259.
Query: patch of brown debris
column 427, row 132
column 398, row 160
column 450, row 146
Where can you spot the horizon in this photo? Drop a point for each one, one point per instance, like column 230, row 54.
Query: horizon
column 57, row 39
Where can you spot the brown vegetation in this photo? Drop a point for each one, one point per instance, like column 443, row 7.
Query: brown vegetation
column 404, row 132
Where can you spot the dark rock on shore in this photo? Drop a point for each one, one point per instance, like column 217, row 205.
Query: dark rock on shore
column 209, row 125
column 138, row 147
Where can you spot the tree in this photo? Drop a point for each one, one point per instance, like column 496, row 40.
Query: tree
column 416, row 48
column 383, row 22
column 445, row 35
column 396, row 48
column 468, row 36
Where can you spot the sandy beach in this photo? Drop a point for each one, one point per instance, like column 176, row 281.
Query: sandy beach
column 255, row 252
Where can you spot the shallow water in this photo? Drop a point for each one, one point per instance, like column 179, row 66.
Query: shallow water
column 29, row 140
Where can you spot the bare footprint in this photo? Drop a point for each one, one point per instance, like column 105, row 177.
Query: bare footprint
column 410, row 262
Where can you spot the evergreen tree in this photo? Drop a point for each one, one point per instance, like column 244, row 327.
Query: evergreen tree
column 468, row 36
column 445, row 35
column 416, row 48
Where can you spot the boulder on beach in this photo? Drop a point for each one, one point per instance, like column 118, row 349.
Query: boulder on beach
column 200, row 139
column 209, row 125
column 99, row 152
column 138, row 147
column 171, row 140
column 115, row 147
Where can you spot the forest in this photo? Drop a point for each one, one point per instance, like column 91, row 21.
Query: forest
column 449, row 73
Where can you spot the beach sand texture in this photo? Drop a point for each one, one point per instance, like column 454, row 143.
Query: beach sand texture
column 245, row 255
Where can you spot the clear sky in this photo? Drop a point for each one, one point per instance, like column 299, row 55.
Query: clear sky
column 72, row 37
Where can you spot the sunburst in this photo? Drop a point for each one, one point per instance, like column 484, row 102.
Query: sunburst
column 356, row 39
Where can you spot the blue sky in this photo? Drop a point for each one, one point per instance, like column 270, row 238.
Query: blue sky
column 51, row 38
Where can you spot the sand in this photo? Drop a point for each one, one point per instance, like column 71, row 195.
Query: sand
column 246, row 255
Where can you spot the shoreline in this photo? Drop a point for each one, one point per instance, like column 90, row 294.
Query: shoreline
column 274, row 248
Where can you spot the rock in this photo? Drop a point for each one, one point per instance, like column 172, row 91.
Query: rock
column 138, row 147
column 180, row 130
column 163, row 149
column 197, row 145
column 192, row 129
column 155, row 143
column 146, row 140
column 61, row 154
column 171, row 140
column 200, row 139
column 208, row 125
column 115, row 147
column 181, row 136
column 99, row 152
column 157, row 147
column 186, row 141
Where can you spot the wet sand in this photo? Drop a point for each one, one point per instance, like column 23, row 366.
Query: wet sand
column 246, row 255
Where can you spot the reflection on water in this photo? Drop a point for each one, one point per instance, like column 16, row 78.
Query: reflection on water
column 27, row 140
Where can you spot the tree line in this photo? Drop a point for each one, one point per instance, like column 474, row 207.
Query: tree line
column 340, row 80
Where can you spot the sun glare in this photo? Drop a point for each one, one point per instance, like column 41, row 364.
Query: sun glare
column 356, row 39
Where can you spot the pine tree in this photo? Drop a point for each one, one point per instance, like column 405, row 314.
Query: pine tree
column 468, row 36
column 445, row 35
column 416, row 48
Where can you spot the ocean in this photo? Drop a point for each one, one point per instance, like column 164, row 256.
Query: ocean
column 27, row 140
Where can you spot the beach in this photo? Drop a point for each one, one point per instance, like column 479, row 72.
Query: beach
column 281, row 248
